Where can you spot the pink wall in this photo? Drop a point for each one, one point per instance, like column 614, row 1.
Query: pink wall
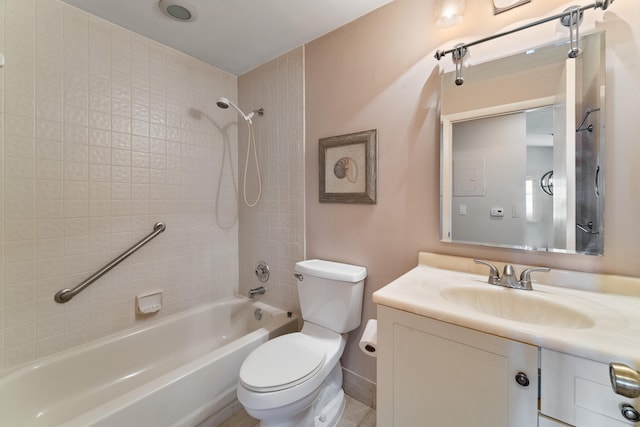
column 379, row 72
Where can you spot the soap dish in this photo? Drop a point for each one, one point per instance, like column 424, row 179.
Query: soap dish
column 149, row 302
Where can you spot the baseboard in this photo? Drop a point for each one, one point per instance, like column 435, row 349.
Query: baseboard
column 360, row 388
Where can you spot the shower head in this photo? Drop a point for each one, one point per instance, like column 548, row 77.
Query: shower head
column 224, row 103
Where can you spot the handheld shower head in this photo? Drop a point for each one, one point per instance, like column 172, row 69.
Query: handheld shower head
column 224, row 103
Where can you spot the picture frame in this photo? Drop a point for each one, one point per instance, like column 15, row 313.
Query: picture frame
column 500, row 6
column 348, row 168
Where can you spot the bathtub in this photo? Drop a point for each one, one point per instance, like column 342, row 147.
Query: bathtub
column 178, row 371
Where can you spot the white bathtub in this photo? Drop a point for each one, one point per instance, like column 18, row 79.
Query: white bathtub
column 179, row 371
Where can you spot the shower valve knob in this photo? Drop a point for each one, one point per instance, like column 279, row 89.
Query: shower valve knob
column 262, row 272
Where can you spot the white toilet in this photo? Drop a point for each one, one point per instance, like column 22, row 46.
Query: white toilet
column 295, row 380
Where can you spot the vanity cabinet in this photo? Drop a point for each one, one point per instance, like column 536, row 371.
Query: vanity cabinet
column 454, row 351
column 432, row 373
column 578, row 392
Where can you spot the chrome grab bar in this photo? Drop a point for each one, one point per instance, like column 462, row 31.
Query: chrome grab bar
column 65, row 295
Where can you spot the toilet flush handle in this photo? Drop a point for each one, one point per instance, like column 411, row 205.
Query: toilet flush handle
column 299, row 276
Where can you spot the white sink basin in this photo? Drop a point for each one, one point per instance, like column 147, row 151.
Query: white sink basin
column 517, row 305
column 588, row 315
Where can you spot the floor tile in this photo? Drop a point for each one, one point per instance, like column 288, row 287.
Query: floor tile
column 356, row 414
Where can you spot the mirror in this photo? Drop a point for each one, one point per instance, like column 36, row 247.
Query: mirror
column 522, row 151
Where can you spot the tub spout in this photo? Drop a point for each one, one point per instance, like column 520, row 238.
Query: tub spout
column 257, row 291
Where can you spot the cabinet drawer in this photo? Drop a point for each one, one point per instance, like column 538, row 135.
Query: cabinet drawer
column 577, row 391
column 550, row 422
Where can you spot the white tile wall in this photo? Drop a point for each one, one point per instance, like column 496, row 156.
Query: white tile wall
column 273, row 231
column 102, row 134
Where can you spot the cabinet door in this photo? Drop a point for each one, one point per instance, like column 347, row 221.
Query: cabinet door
column 432, row 373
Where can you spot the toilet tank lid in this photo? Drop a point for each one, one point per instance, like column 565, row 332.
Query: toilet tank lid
column 331, row 270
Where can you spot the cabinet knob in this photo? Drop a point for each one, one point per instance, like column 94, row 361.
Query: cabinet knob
column 522, row 379
column 630, row 413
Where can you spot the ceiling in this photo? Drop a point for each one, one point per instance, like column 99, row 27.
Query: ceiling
column 234, row 35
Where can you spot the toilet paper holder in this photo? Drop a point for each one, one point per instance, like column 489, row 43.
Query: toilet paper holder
column 369, row 340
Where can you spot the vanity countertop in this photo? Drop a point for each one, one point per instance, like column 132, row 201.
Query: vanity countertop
column 611, row 334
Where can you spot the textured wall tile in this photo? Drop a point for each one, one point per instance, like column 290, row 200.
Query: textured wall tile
column 20, row 31
column 93, row 122
column 19, row 355
column 20, row 188
column 19, row 230
column 281, row 241
column 19, row 272
column 47, row 130
column 17, row 146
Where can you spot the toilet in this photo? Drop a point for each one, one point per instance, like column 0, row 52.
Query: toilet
column 295, row 380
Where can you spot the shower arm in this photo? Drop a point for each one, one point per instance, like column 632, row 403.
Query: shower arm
column 247, row 117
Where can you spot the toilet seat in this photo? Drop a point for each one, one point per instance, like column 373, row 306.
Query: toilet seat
column 282, row 363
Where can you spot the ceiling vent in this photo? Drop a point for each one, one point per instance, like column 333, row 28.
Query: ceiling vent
column 178, row 10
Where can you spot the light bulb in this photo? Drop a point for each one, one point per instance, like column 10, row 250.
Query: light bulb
column 449, row 12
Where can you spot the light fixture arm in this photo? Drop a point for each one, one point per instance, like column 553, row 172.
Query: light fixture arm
column 571, row 17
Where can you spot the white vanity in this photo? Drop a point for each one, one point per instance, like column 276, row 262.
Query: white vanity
column 454, row 350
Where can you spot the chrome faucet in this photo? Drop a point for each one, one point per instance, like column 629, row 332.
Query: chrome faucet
column 257, row 291
column 508, row 279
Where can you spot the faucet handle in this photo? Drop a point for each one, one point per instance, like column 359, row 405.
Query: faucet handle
column 525, row 276
column 494, row 276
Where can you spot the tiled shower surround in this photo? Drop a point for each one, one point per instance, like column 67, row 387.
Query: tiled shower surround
column 273, row 231
column 103, row 133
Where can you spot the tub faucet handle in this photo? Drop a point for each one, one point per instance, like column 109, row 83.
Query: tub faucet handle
column 262, row 272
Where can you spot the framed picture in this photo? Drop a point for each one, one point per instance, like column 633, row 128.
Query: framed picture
column 500, row 6
column 348, row 168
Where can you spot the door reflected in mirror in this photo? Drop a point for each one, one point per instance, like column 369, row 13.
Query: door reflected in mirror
column 522, row 151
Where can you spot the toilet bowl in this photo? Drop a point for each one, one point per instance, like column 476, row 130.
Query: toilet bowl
column 282, row 378
column 295, row 380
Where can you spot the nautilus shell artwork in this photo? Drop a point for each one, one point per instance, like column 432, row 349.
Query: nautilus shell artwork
column 346, row 167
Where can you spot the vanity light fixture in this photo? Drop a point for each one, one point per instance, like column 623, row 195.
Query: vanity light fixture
column 449, row 12
column 570, row 17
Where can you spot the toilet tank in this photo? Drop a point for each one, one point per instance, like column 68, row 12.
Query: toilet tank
column 330, row 293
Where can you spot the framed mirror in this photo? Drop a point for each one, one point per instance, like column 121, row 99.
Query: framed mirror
column 522, row 151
